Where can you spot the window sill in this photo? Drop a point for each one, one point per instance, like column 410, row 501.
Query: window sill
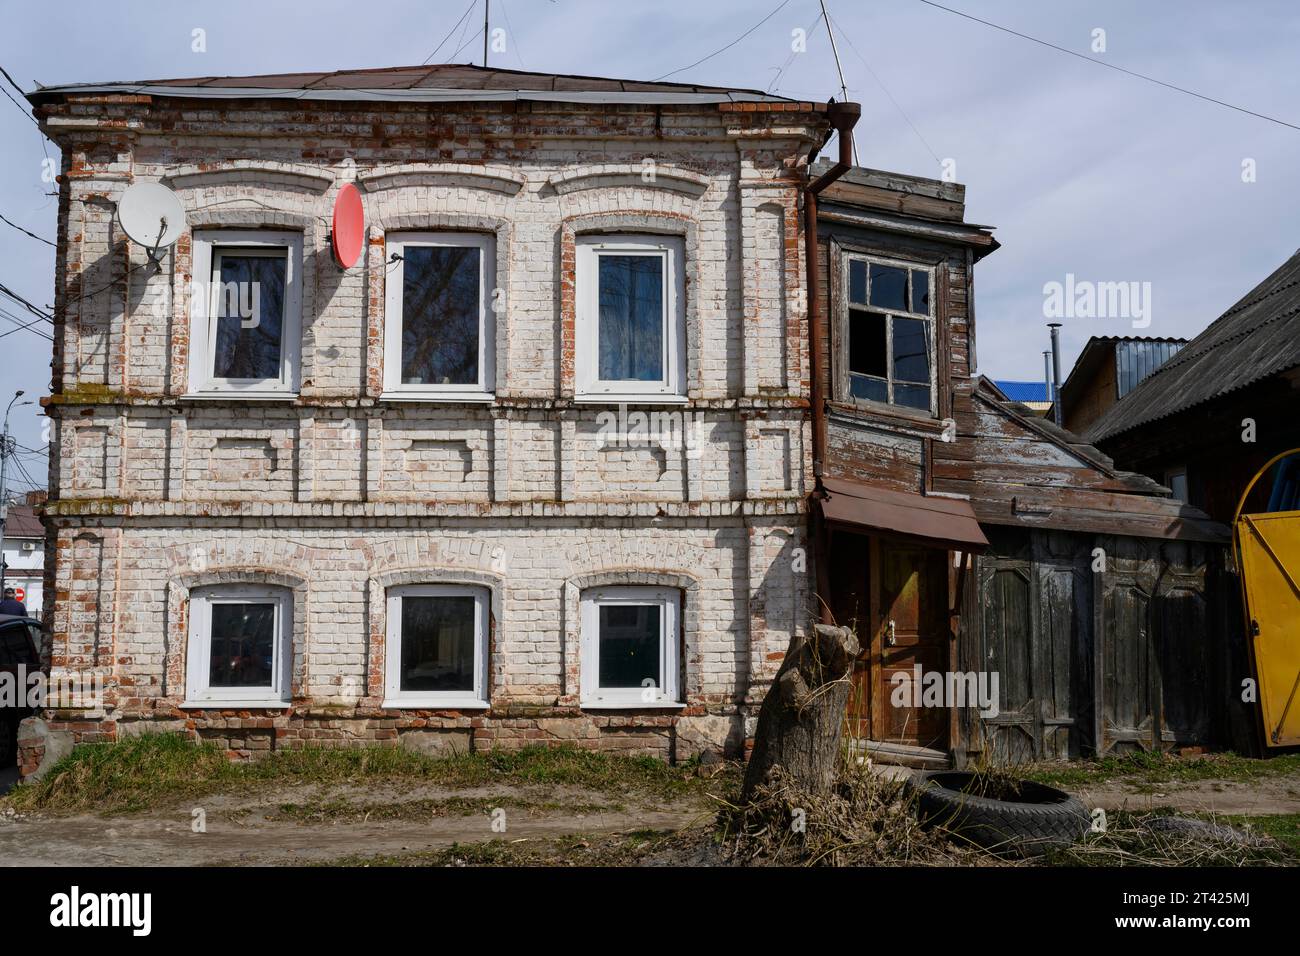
column 234, row 704
column 481, row 398
column 632, row 705
column 638, row 399
column 239, row 395
column 431, row 703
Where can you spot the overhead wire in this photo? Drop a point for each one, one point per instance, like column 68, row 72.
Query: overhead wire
column 1112, row 66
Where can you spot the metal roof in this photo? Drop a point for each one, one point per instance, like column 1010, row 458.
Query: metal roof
column 1024, row 391
column 439, row 82
column 1255, row 339
column 21, row 522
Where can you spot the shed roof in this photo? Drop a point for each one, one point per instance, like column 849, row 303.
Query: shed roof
column 21, row 522
column 445, row 82
column 1254, row 340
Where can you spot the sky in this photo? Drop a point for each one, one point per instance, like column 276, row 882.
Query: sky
column 1083, row 171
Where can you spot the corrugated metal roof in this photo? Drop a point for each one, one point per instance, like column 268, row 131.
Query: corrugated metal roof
column 1255, row 339
column 446, row 82
column 1023, row 391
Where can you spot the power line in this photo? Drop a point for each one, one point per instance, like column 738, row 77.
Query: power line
column 1112, row 66
column 808, row 32
column 884, row 89
column 724, row 49
column 20, row 93
column 514, row 37
column 39, row 313
column 15, row 225
column 21, row 326
column 450, row 32
column 452, row 58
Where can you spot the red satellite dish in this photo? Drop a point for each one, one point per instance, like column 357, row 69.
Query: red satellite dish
column 348, row 231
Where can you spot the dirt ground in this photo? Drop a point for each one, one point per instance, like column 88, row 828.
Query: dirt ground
column 319, row 825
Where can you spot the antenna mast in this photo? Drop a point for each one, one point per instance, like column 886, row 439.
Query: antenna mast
column 486, row 4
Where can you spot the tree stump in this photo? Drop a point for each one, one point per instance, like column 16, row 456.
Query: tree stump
column 802, row 716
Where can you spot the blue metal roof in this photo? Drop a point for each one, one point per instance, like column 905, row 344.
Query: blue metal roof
column 1024, row 391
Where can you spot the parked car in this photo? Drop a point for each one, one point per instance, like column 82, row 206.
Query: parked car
column 20, row 656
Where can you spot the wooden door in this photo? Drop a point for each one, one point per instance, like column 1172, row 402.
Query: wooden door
column 910, row 587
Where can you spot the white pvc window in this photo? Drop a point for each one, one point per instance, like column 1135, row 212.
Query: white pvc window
column 246, row 314
column 239, row 646
column 631, row 638
column 437, row 646
column 439, row 328
column 631, row 318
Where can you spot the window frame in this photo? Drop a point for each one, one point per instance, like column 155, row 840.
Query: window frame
column 473, row 699
column 588, row 386
column 930, row 321
column 670, row 647
column 394, row 389
column 208, row 247
column 198, row 654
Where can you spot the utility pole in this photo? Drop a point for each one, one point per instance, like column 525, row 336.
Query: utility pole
column 486, row 5
column 4, row 484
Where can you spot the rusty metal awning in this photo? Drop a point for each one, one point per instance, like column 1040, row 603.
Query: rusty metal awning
column 942, row 522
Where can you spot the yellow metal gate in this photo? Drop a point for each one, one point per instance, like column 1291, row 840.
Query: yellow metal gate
column 1268, row 548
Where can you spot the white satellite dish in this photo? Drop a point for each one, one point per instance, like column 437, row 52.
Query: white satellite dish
column 151, row 215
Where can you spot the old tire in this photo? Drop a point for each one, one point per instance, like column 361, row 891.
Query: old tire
column 1041, row 819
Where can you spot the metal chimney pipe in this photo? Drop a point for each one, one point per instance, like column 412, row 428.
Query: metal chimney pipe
column 1056, row 370
column 1047, row 375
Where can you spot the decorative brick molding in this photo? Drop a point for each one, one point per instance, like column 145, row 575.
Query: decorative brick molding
column 627, row 174
column 250, row 173
column 688, row 584
column 499, row 179
column 627, row 220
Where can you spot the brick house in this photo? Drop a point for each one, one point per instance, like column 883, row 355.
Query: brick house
column 534, row 469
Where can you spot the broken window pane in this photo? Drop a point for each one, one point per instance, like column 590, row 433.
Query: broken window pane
column 888, row 287
column 249, row 312
column 440, row 315
column 867, row 343
column 912, row 396
column 911, row 351
column 437, row 643
column 242, row 645
column 631, row 332
column 920, row 292
column 872, row 389
column 857, row 282
column 629, row 645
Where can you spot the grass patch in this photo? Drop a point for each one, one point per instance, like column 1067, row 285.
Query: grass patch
column 1145, row 768
column 1282, row 827
column 143, row 772
column 1130, row 840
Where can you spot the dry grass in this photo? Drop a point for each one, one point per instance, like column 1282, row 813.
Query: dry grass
column 866, row 820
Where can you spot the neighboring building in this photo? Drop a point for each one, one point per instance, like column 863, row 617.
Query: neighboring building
column 965, row 535
column 1035, row 396
column 349, row 523
column 1206, row 422
column 1108, row 368
column 24, row 556
column 1213, row 415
